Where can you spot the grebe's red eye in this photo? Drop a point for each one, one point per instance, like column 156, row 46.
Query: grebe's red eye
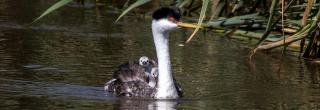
column 170, row 18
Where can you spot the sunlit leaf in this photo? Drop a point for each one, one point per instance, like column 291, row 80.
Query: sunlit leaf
column 202, row 15
column 183, row 3
column 52, row 8
column 134, row 5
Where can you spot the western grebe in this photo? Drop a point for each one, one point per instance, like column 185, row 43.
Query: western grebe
column 148, row 78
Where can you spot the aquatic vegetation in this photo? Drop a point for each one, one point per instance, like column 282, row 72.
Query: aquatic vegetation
column 274, row 23
column 52, row 8
column 134, row 5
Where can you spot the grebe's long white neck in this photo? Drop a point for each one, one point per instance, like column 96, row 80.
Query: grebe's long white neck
column 160, row 30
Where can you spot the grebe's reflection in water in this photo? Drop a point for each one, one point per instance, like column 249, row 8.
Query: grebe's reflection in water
column 145, row 104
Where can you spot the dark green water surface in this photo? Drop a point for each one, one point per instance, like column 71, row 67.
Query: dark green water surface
column 63, row 61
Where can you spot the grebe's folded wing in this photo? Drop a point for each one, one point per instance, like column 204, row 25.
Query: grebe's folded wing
column 129, row 80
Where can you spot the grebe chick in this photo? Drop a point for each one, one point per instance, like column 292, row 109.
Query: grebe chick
column 151, row 70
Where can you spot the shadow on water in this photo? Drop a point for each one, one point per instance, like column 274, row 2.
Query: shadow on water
column 63, row 61
column 141, row 104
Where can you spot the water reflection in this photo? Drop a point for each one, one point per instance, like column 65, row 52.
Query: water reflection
column 313, row 67
column 141, row 104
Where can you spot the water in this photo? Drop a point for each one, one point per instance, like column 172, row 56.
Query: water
column 63, row 61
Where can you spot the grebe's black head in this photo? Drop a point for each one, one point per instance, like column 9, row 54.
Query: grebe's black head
column 171, row 13
column 164, row 19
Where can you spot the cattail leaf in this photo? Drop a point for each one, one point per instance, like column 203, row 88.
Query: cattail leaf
column 134, row 5
column 269, row 24
column 182, row 3
column 202, row 15
column 52, row 8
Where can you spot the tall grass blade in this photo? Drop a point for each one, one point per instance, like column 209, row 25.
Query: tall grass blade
column 304, row 21
column 216, row 8
column 178, row 2
column 134, row 5
column 202, row 15
column 307, row 12
column 183, row 3
column 52, row 8
column 269, row 25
